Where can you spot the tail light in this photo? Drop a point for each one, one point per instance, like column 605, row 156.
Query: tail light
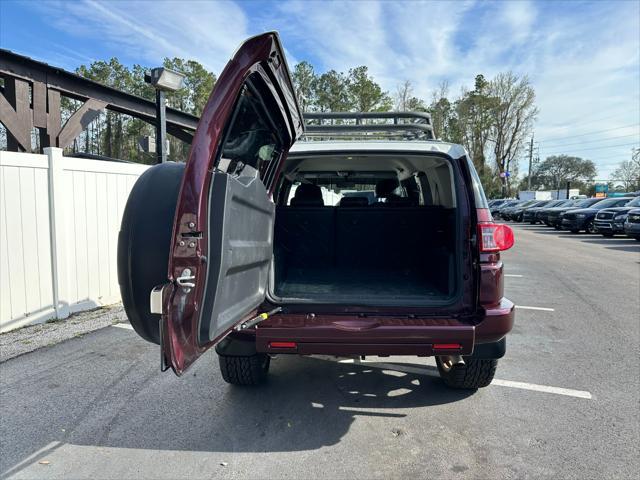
column 495, row 237
column 283, row 345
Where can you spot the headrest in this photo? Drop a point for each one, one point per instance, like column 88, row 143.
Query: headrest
column 307, row 194
column 385, row 188
column 353, row 202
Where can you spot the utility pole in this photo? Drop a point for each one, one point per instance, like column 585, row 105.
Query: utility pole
column 530, row 162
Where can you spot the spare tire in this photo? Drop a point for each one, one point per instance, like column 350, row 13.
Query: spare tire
column 144, row 243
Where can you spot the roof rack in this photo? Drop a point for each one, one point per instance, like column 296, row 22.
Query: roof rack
column 403, row 125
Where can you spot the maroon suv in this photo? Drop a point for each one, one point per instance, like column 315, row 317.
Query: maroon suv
column 375, row 240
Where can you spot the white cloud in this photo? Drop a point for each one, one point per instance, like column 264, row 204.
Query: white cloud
column 582, row 57
column 149, row 31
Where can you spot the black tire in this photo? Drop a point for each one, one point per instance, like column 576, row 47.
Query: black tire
column 637, row 239
column 250, row 370
column 475, row 373
column 556, row 227
column 608, row 235
column 575, row 230
column 590, row 228
column 144, row 243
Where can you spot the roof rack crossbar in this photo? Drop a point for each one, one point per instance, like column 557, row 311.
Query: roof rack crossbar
column 415, row 125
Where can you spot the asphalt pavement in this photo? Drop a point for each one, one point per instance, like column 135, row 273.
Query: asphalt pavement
column 564, row 405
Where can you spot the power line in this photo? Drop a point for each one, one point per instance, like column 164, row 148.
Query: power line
column 595, row 120
column 600, row 148
column 594, row 132
column 599, row 140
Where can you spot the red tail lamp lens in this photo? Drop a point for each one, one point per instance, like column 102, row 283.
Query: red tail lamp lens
column 447, row 346
column 283, row 345
column 495, row 237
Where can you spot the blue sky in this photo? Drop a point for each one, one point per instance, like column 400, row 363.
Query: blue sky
column 582, row 57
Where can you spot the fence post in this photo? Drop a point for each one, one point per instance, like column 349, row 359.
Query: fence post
column 57, row 232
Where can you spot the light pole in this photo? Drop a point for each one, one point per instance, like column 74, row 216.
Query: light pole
column 163, row 80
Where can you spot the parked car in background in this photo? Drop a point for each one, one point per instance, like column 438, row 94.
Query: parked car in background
column 516, row 213
column 542, row 215
column 610, row 221
column 554, row 215
column 496, row 211
column 530, row 214
column 632, row 224
column 583, row 218
column 496, row 202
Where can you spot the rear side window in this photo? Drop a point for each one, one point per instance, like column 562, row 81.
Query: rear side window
column 252, row 142
column 478, row 191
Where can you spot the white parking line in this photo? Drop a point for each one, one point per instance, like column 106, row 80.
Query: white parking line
column 513, row 275
column 542, row 388
column 498, row 382
column 126, row 326
column 542, row 309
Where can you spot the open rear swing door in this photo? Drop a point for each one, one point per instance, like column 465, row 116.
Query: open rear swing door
column 222, row 243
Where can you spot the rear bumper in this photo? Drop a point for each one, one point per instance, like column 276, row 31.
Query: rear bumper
column 342, row 335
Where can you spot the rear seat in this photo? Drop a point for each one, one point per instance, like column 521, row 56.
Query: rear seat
column 357, row 236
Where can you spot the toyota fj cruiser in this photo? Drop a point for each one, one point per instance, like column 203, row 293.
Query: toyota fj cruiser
column 366, row 237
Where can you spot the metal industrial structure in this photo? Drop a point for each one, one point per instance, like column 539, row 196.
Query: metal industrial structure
column 30, row 98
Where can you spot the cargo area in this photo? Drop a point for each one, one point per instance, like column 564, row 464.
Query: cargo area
column 382, row 240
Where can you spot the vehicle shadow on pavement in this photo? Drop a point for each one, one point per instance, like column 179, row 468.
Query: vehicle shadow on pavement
column 105, row 390
column 307, row 403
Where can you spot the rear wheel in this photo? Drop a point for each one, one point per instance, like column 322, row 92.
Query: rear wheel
column 472, row 374
column 248, row 370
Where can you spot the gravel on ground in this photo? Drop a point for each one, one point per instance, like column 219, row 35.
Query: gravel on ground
column 27, row 339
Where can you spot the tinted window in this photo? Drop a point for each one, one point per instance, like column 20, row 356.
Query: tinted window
column 588, row 202
column 252, row 139
column 478, row 191
column 611, row 202
column 634, row 203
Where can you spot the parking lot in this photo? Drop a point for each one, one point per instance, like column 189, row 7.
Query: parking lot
column 565, row 402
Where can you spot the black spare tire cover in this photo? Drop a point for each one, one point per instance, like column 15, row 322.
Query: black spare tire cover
column 144, row 243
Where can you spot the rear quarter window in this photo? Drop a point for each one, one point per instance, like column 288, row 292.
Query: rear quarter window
column 478, row 191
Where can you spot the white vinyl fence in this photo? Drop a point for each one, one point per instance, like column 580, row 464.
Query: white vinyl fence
column 59, row 223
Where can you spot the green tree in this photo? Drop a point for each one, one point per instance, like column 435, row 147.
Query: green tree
column 197, row 85
column 365, row 95
column 117, row 135
column 332, row 92
column 406, row 101
column 304, row 82
column 628, row 172
column 555, row 171
column 191, row 98
column 513, row 114
column 474, row 119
